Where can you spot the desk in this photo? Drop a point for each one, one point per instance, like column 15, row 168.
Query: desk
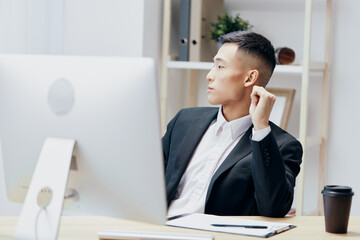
column 308, row 227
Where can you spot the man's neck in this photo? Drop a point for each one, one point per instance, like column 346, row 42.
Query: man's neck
column 232, row 112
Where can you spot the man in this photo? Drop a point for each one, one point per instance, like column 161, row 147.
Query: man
column 222, row 160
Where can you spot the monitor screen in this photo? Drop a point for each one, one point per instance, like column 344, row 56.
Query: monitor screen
column 110, row 106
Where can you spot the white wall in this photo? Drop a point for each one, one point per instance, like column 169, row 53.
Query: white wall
column 13, row 39
column 107, row 27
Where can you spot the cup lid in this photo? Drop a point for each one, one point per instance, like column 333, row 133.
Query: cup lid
column 337, row 190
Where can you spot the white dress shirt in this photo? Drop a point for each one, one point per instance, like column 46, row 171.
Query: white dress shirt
column 216, row 144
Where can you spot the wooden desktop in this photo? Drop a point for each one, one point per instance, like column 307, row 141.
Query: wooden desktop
column 81, row 227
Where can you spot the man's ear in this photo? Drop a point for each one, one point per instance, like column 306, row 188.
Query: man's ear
column 252, row 78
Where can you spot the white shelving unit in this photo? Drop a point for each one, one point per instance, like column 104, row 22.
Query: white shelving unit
column 301, row 70
column 286, row 69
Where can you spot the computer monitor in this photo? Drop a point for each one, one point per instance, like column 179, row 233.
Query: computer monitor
column 110, row 106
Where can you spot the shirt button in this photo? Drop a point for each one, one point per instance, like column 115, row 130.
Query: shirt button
column 267, row 162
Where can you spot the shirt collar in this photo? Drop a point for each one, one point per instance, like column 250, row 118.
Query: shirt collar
column 237, row 126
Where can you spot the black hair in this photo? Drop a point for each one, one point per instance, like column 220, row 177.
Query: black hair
column 256, row 46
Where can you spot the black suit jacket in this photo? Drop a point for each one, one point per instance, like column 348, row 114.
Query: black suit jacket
column 256, row 178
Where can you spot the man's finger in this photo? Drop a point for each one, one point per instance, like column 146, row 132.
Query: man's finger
column 254, row 98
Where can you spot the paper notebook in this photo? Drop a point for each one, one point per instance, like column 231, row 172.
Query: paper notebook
column 229, row 225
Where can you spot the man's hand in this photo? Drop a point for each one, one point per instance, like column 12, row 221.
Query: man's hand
column 261, row 105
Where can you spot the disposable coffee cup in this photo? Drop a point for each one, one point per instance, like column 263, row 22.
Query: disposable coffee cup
column 337, row 204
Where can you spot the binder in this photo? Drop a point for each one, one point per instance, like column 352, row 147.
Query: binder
column 203, row 12
column 184, row 30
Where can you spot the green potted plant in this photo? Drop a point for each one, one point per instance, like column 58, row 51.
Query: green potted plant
column 226, row 23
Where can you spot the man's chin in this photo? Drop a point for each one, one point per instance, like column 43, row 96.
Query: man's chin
column 212, row 100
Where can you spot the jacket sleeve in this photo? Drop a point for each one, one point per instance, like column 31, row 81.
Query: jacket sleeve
column 274, row 169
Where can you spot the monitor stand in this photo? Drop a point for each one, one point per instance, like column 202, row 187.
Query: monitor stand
column 41, row 212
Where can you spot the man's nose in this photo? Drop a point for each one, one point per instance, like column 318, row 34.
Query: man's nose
column 210, row 75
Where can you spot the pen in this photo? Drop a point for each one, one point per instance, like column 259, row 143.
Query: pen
column 244, row 226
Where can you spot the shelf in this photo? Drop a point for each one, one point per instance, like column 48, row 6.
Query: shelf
column 288, row 69
column 190, row 65
column 275, row 5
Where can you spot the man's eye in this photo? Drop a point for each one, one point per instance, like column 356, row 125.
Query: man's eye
column 220, row 66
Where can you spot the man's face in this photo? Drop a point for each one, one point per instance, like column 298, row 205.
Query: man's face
column 227, row 77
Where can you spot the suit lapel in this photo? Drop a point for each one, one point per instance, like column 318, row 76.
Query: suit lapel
column 242, row 149
column 192, row 138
